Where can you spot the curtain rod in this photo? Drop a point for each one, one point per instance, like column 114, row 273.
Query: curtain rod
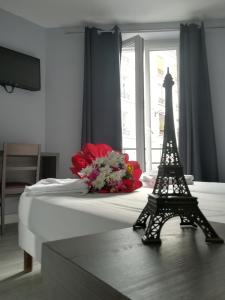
column 125, row 31
column 143, row 30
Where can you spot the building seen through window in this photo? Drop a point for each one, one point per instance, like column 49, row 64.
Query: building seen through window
column 158, row 63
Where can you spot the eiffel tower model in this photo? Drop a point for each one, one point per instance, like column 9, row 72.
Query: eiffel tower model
column 165, row 203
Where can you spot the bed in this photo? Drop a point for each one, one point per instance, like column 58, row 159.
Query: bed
column 53, row 217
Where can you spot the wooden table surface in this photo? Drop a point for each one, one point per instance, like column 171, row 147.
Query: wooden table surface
column 116, row 265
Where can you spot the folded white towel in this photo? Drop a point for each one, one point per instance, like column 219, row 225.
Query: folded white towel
column 152, row 173
column 149, row 180
column 189, row 179
column 58, row 186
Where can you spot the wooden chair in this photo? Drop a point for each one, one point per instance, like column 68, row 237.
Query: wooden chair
column 17, row 160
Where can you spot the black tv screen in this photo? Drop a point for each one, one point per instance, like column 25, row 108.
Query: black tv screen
column 19, row 70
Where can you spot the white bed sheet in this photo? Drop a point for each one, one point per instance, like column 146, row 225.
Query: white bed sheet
column 55, row 217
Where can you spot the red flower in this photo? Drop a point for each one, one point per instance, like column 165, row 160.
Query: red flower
column 92, row 151
column 126, row 157
column 88, row 153
column 136, row 171
column 132, row 183
column 129, row 185
column 79, row 162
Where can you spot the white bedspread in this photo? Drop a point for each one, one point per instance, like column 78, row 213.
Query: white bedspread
column 54, row 217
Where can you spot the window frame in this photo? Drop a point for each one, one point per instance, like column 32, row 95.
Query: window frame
column 138, row 43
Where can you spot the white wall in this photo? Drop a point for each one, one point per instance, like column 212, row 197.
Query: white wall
column 215, row 41
column 22, row 114
column 64, row 92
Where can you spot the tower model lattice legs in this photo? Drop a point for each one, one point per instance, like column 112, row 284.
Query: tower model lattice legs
column 152, row 232
column 187, row 221
column 158, row 215
column 210, row 234
column 142, row 219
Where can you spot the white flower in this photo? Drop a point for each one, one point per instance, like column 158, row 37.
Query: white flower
column 115, row 159
column 100, row 161
column 87, row 170
column 99, row 182
column 117, row 175
column 106, row 170
column 111, row 170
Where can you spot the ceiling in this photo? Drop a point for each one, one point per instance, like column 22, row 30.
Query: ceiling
column 61, row 13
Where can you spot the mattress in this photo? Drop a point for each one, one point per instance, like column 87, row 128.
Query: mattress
column 55, row 217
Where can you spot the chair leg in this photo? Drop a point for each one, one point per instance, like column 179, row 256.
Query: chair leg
column 2, row 215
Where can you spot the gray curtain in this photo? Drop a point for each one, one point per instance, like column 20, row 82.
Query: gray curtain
column 101, row 100
column 196, row 130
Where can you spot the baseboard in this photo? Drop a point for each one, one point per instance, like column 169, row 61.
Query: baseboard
column 13, row 218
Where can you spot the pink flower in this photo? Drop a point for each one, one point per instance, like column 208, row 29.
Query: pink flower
column 94, row 174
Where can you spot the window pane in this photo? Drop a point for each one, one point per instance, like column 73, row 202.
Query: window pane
column 128, row 97
column 159, row 61
column 156, row 155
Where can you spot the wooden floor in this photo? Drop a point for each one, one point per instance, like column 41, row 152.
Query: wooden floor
column 14, row 284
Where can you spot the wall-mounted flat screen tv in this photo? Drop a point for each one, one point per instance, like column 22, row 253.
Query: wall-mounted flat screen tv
column 19, row 70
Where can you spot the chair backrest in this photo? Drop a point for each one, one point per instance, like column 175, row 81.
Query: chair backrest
column 20, row 150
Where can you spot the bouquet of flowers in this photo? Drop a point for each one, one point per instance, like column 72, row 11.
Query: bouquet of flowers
column 106, row 170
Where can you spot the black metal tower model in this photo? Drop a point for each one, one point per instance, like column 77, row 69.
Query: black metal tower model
column 165, row 203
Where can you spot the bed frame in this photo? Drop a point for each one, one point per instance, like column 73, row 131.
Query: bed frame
column 28, row 262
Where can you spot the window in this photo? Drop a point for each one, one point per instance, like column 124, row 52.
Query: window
column 142, row 97
column 158, row 59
